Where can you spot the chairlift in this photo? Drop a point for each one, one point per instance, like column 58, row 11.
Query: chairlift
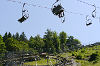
column 58, row 10
column 88, row 21
column 23, row 18
column 24, row 15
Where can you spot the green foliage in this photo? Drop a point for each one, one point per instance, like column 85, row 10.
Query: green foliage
column 23, row 46
column 63, row 39
column 38, row 43
column 73, row 43
column 17, row 36
column 1, row 39
column 23, row 37
column 5, row 37
column 31, row 51
column 79, row 57
column 89, row 55
column 94, row 57
column 9, row 35
column 49, row 46
column 10, row 46
column 31, row 42
column 50, row 43
column 56, row 42
column 2, row 45
column 15, row 45
column 41, row 62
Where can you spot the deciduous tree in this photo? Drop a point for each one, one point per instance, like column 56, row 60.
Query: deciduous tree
column 63, row 39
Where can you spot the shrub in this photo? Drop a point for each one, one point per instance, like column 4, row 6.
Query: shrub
column 79, row 57
column 94, row 57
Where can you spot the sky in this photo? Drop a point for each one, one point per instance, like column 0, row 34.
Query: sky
column 40, row 19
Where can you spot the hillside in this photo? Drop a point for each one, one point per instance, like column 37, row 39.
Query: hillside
column 89, row 55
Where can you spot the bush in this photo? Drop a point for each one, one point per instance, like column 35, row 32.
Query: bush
column 79, row 57
column 94, row 57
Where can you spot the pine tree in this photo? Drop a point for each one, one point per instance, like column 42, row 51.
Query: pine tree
column 5, row 37
column 23, row 37
column 9, row 35
column 17, row 37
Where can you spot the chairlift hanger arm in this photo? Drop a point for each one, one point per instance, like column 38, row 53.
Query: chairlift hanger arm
column 94, row 11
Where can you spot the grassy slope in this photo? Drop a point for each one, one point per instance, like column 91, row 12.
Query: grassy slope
column 41, row 62
column 86, row 52
column 44, row 61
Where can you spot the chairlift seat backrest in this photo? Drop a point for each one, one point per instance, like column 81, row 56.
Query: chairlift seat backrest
column 88, row 24
column 22, row 19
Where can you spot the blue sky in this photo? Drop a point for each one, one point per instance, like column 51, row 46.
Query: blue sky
column 42, row 19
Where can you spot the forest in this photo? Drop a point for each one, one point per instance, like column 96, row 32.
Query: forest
column 51, row 43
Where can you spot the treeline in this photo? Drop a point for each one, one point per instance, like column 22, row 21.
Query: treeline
column 50, row 43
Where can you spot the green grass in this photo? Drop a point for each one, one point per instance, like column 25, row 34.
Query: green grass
column 87, row 63
column 85, row 53
column 41, row 62
column 65, row 54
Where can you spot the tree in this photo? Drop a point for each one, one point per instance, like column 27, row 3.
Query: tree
column 13, row 36
column 32, row 47
column 39, row 43
column 12, row 44
column 56, row 42
column 17, row 37
column 9, row 44
column 23, row 37
column 5, row 37
column 63, row 39
column 73, row 43
column 24, row 47
column 70, row 42
column 31, row 42
column 49, row 46
column 77, row 43
column 9, row 35
column 2, row 45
